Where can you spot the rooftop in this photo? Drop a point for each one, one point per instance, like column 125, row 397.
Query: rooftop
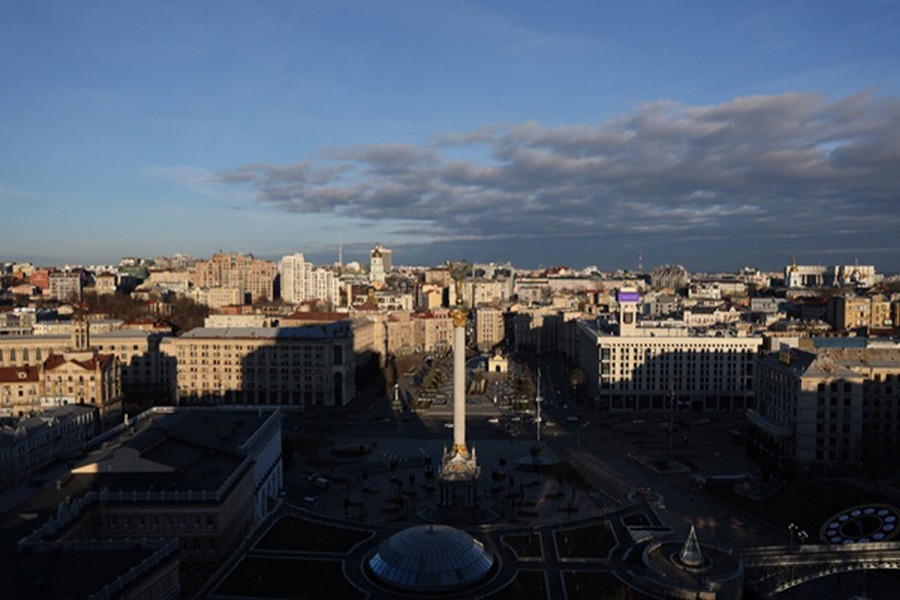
column 324, row 331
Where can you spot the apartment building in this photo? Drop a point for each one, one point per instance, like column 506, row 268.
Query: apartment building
column 826, row 408
column 302, row 281
column 251, row 276
column 65, row 286
column 490, row 328
column 298, row 366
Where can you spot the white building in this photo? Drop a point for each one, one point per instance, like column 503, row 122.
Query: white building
column 640, row 368
column 302, row 281
column 379, row 263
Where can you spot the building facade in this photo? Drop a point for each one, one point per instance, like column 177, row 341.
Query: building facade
column 649, row 368
column 826, row 408
column 301, row 281
column 253, row 277
column 300, row 366
column 490, row 329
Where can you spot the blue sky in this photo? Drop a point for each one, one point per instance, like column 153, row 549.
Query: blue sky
column 713, row 134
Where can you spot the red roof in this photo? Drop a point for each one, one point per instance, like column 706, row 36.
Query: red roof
column 318, row 316
column 19, row 374
column 97, row 362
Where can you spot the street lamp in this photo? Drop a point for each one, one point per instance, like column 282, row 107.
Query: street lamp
column 792, row 530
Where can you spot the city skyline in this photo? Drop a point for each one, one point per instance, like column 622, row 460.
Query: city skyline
column 712, row 136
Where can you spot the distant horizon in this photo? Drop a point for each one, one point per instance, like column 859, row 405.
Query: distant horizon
column 321, row 259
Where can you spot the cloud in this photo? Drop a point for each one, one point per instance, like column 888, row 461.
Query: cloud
column 756, row 165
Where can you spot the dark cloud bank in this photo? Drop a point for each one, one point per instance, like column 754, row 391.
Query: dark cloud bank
column 754, row 180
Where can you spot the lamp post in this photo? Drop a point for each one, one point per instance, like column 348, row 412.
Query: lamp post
column 792, row 530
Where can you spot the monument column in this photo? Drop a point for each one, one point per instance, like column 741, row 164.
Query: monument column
column 459, row 381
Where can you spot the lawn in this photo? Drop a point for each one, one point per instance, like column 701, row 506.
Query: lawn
column 299, row 535
column 526, row 545
column 528, row 585
column 593, row 541
column 299, row 579
column 595, row 585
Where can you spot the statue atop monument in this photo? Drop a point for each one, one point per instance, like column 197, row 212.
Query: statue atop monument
column 459, row 270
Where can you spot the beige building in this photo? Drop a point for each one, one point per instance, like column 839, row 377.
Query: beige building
column 83, row 377
column 106, row 283
column 65, row 286
column 407, row 333
column 826, row 408
column 298, row 366
column 217, row 297
column 490, row 329
column 243, row 272
column 20, row 390
column 851, row 312
column 145, row 373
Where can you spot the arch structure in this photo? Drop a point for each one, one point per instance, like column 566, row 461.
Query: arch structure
column 773, row 569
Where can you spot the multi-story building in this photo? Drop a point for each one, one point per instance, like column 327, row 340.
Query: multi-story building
column 34, row 442
column 253, row 277
column 270, row 365
column 825, row 408
column 671, row 277
column 406, row 332
column 65, row 286
column 484, row 292
column 630, row 367
column 106, row 283
column 83, row 377
column 850, row 312
column 20, row 390
column 710, row 316
column 301, row 281
column 202, row 477
column 490, row 328
column 146, row 374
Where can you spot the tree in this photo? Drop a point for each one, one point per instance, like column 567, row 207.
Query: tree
column 576, row 379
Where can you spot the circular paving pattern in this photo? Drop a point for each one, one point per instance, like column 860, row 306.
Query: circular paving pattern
column 862, row 524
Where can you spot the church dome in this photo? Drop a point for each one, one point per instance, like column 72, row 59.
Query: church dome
column 429, row 558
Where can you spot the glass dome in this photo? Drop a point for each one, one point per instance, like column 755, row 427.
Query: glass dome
column 430, row 557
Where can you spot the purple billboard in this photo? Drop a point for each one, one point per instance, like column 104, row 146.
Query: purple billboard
column 628, row 297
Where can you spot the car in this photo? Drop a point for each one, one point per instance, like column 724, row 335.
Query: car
column 493, row 420
column 515, row 419
column 572, row 418
column 310, row 499
column 549, row 424
column 448, row 425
